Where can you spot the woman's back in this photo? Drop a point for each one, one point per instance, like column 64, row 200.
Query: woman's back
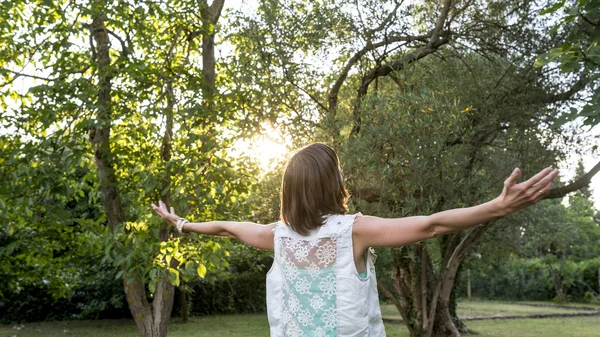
column 313, row 287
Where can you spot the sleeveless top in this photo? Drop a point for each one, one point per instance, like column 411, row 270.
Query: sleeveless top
column 313, row 287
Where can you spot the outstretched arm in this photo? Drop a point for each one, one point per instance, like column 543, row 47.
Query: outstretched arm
column 252, row 234
column 379, row 232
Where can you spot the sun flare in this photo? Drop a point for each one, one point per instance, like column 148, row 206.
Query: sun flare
column 267, row 149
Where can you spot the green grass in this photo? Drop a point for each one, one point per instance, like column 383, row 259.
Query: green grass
column 472, row 309
column 257, row 325
column 583, row 305
column 483, row 309
column 546, row 327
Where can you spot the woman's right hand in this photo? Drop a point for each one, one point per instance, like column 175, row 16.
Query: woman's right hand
column 517, row 196
column 164, row 213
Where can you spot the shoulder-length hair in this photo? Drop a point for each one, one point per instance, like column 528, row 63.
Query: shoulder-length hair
column 312, row 188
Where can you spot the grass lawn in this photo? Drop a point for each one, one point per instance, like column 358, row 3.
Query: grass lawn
column 257, row 325
column 583, row 305
column 472, row 309
column 546, row 327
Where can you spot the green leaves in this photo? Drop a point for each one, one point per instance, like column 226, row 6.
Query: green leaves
column 580, row 54
column 553, row 8
column 173, row 277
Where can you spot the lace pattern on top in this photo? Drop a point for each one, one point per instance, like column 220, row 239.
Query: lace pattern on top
column 309, row 287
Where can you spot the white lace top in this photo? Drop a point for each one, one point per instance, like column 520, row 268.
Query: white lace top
column 314, row 289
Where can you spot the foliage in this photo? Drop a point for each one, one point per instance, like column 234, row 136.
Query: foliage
column 50, row 214
column 580, row 52
column 240, row 289
column 96, row 295
column 159, row 128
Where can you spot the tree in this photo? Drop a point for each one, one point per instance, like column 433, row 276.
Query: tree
column 139, row 81
column 440, row 145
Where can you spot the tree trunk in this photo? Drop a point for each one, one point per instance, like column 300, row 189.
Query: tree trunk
column 151, row 320
column 444, row 326
column 184, row 305
column 469, row 283
column 423, row 295
column 99, row 134
column 210, row 15
column 558, row 286
column 424, row 302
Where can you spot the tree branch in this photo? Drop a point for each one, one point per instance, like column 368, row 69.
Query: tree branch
column 47, row 79
column 575, row 185
column 386, row 69
column 440, row 23
column 387, row 293
column 398, row 64
column 124, row 47
column 566, row 95
column 312, row 97
column 587, row 20
column 335, row 89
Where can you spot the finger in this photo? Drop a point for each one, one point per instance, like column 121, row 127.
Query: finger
column 546, row 182
column 172, row 210
column 158, row 210
column 537, row 178
column 512, row 179
column 542, row 193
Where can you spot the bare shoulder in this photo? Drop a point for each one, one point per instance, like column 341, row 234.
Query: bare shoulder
column 362, row 231
column 361, row 222
column 366, row 223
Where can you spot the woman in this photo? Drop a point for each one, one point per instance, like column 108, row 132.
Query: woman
column 322, row 282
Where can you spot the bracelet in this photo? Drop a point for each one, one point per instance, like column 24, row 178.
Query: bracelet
column 180, row 223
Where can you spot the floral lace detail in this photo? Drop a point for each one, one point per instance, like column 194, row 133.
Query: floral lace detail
column 301, row 253
column 328, row 286
column 326, row 254
column 314, row 270
column 309, row 289
column 290, row 272
column 316, row 302
column 293, row 330
column 328, row 318
column 305, row 317
column 302, row 286
column 319, row 332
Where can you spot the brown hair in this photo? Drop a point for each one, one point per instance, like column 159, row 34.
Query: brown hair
column 312, row 187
